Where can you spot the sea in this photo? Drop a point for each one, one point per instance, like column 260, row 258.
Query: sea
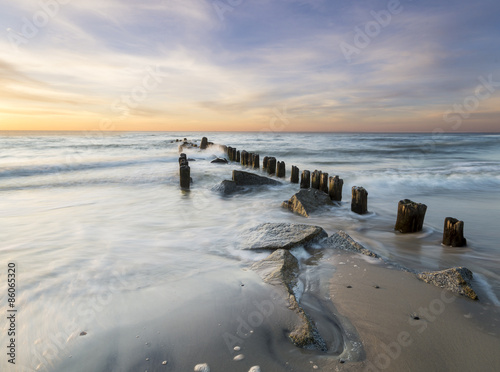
column 94, row 222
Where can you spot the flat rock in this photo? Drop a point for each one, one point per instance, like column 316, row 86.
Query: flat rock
column 251, row 179
column 456, row 279
column 342, row 240
column 280, row 235
column 226, row 187
column 219, row 161
column 281, row 268
column 306, row 201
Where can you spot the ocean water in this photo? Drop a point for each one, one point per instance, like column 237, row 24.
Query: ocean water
column 93, row 221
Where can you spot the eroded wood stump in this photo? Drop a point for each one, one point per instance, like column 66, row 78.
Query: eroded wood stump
column 204, row 143
column 185, row 176
column 323, row 182
column 281, row 170
column 255, row 161
column 305, row 179
column 410, row 216
column 271, row 166
column 294, row 177
column 315, row 179
column 244, row 157
column 359, row 201
column 264, row 162
column 453, row 234
column 237, row 156
column 335, row 191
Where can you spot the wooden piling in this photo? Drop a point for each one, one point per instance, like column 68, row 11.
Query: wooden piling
column 323, row 182
column 281, row 170
column 255, row 161
column 237, row 156
column 264, row 162
column 244, row 157
column 294, row 178
column 305, row 179
column 410, row 216
column 204, row 143
column 453, row 234
column 230, row 153
column 336, row 184
column 359, row 201
column 271, row 165
column 315, row 179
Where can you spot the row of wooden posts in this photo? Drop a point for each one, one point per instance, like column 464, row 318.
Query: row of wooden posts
column 410, row 217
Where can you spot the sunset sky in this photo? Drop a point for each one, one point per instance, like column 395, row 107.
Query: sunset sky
column 241, row 65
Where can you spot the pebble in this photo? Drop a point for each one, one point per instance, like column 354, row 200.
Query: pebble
column 164, row 362
column 415, row 316
column 202, row 368
column 349, row 286
column 239, row 357
column 254, row 369
column 147, row 359
column 237, row 348
column 315, row 366
column 83, row 333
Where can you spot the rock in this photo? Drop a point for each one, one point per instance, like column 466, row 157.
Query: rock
column 456, row 280
column 342, row 240
column 227, row 187
column 254, row 369
column 219, row 160
column 280, row 235
column 202, row 368
column 243, row 178
column 306, row 201
column 281, row 269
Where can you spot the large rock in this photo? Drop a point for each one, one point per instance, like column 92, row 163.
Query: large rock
column 219, row 160
column 280, row 235
column 456, row 279
column 306, row 201
column 251, row 179
column 281, row 269
column 226, row 187
column 342, row 240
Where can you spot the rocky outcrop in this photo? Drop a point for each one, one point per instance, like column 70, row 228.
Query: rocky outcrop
column 281, row 269
column 227, row 187
column 219, row 160
column 251, row 179
column 307, row 201
column 342, row 240
column 456, row 279
column 280, row 235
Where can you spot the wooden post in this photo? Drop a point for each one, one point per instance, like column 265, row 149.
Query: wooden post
column 181, row 157
column 323, row 182
column 264, row 162
column 359, row 200
column 305, row 179
column 410, row 216
column 204, row 143
column 315, row 178
column 281, row 172
column 244, row 157
column 255, row 161
column 336, row 184
column 294, row 178
column 453, row 234
column 271, row 166
column 249, row 159
column 230, row 153
column 237, row 156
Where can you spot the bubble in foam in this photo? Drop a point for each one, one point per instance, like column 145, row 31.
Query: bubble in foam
column 202, row 368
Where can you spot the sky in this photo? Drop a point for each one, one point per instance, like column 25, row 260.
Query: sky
column 241, row 65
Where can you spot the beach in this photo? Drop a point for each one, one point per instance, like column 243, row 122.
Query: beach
column 120, row 270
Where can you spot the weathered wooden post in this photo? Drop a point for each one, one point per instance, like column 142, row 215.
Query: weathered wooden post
column 359, row 202
column 271, row 165
column 410, row 216
column 255, row 161
column 237, row 156
column 230, row 153
column 453, row 234
column 249, row 159
column 305, row 179
column 281, row 172
column 204, row 143
column 294, row 177
column 323, row 182
column 185, row 176
column 264, row 162
column 315, row 179
column 244, row 157
column 181, row 157
column 336, row 184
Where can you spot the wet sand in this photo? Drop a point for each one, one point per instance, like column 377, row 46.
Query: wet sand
column 362, row 309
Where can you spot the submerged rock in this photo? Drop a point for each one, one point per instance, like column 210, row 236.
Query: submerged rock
column 456, row 279
column 226, row 187
column 280, row 235
column 306, row 201
column 219, row 161
column 251, row 179
column 342, row 240
column 281, row 269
